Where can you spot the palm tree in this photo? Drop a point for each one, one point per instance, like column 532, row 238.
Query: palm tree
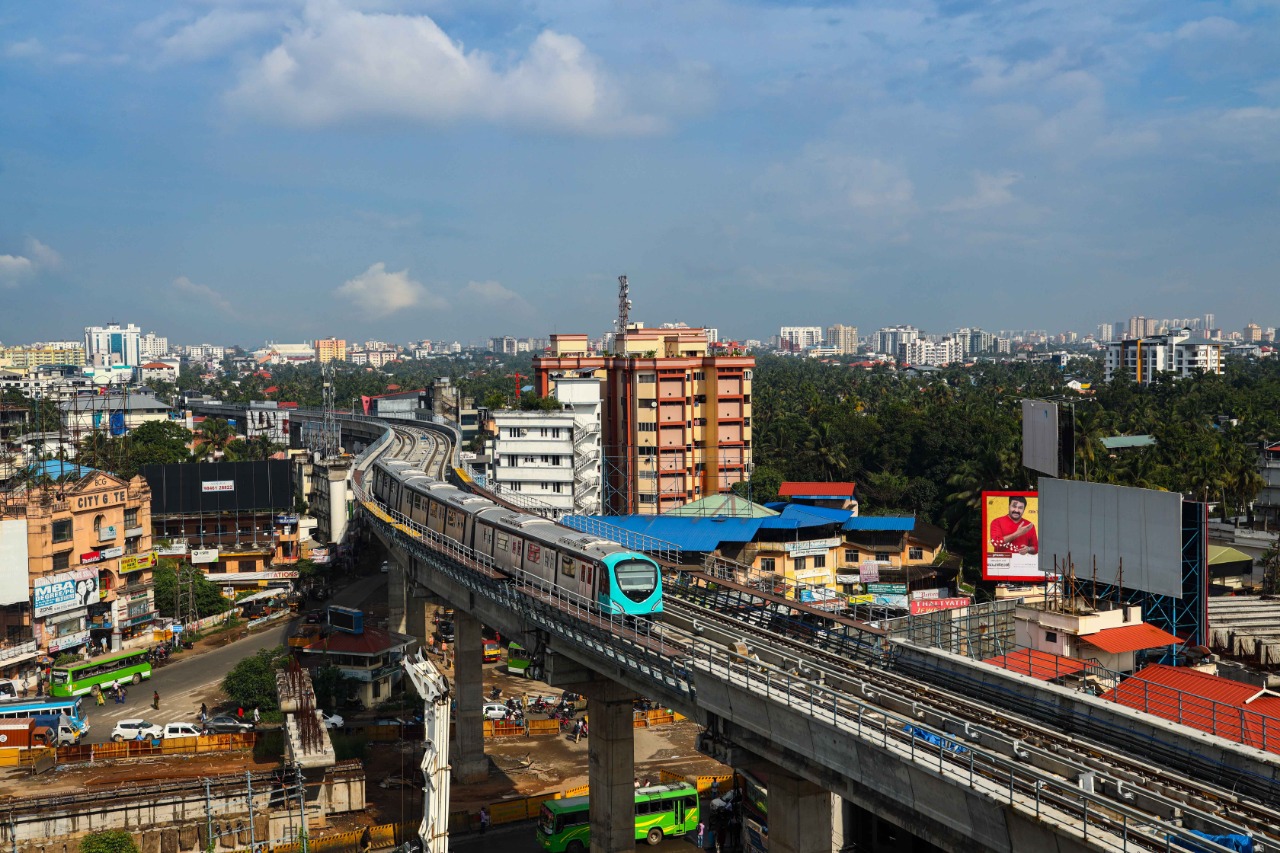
column 261, row 447
column 216, row 439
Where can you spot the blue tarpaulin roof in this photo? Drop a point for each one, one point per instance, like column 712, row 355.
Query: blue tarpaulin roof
column 814, row 514
column 692, row 533
column 881, row 523
column 56, row 469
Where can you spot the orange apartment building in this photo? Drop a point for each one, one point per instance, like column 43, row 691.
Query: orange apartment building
column 88, row 563
column 331, row 349
column 676, row 420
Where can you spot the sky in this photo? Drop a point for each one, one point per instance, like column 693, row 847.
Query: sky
column 235, row 171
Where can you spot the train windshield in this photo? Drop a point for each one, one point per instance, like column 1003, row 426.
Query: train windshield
column 637, row 579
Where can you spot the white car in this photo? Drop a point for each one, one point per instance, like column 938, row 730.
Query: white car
column 181, row 730
column 128, row 730
column 332, row 721
column 385, row 567
column 495, row 711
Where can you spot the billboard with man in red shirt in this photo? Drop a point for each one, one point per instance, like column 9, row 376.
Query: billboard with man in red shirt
column 1011, row 542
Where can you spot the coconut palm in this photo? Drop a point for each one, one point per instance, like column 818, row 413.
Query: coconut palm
column 216, row 439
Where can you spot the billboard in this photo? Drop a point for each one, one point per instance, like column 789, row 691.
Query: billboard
column 185, row 489
column 1120, row 528
column 138, row 561
column 14, row 571
column 65, row 591
column 932, row 605
column 1040, row 436
column 204, row 555
column 1010, row 537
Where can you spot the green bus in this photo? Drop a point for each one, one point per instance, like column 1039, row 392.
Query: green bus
column 661, row 810
column 78, row 679
column 517, row 660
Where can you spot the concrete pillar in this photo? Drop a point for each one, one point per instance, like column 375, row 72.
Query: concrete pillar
column 470, row 764
column 611, row 774
column 799, row 815
column 417, row 625
column 337, row 475
column 397, row 594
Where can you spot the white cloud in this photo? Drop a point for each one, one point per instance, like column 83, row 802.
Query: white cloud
column 829, row 180
column 988, row 191
column 25, row 49
column 345, row 65
column 203, row 293
column 213, row 34
column 38, row 258
column 378, row 293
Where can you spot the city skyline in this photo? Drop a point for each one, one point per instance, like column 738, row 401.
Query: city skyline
column 491, row 169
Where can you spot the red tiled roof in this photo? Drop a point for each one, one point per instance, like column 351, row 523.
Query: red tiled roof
column 1037, row 664
column 156, row 365
column 1205, row 702
column 373, row 641
column 273, row 389
column 1130, row 638
column 835, row 490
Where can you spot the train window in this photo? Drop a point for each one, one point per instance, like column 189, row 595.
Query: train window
column 435, row 510
column 637, row 579
column 587, row 571
column 567, row 568
column 453, row 518
column 502, row 541
column 549, row 559
column 604, row 583
column 488, row 536
column 516, row 546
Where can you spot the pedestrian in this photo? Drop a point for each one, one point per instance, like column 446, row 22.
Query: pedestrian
column 257, row 718
column 702, row 833
column 155, row 700
column 240, row 713
column 124, row 694
column 715, row 788
column 98, row 698
column 26, row 685
column 637, row 782
column 204, row 711
column 484, row 820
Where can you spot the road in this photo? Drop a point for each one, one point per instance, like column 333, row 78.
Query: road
column 191, row 679
column 521, row 838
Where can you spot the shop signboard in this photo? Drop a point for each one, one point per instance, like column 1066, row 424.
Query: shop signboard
column 887, row 588
column 78, row 638
column 90, row 558
column 136, row 562
column 286, row 519
column 111, row 553
column 811, row 547
column 177, row 549
column 870, row 572
column 204, row 555
column 65, row 591
column 888, row 600
column 932, row 605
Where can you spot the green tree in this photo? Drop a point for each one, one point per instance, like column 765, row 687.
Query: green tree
column 209, row 600
column 333, row 689
column 217, row 439
column 108, row 841
column 1270, row 564
column 251, row 683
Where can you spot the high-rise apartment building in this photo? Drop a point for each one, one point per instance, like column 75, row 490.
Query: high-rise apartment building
column 1176, row 353
column 800, row 338
column 1106, row 332
column 975, row 341
column 843, row 338
column 54, row 352
column 675, row 420
column 888, row 340
column 331, row 349
column 113, row 344
column 1252, row 333
column 1209, row 322
column 152, row 346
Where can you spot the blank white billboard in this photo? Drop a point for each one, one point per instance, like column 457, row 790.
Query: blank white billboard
column 1040, row 436
column 15, row 585
column 1141, row 527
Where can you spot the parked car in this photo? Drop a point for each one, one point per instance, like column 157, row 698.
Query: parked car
column 495, row 711
column 444, row 630
column 128, row 730
column 332, row 721
column 385, row 567
column 226, row 724
column 181, row 730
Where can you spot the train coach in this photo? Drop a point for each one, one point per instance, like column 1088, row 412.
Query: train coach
column 618, row 580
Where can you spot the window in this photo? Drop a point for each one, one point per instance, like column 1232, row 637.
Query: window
column 97, row 523
column 646, row 427
column 567, row 568
column 1051, row 636
column 62, row 530
column 799, row 563
column 915, row 553
column 699, row 376
column 130, row 518
column 882, row 556
column 820, row 561
column 768, row 564
column 850, row 555
column 62, row 561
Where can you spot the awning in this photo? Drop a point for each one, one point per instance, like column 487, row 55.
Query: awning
column 1045, row 666
column 1219, row 554
column 1130, row 638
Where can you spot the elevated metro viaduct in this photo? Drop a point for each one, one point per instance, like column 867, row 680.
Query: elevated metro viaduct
column 811, row 751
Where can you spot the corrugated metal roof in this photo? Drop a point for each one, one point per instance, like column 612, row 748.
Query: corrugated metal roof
column 1220, row 554
column 1119, row 442
column 816, row 490
column 796, row 516
column 1131, row 638
column 1205, row 702
column 880, row 522
column 1037, row 664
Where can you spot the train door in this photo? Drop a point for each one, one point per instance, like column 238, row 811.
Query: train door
column 454, row 523
column 484, row 537
column 435, row 514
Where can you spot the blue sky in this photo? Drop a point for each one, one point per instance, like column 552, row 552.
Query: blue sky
column 242, row 170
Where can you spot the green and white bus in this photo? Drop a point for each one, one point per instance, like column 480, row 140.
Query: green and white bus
column 661, row 810
column 517, row 660
column 78, row 679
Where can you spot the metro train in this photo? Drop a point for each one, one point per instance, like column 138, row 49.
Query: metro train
column 618, row 580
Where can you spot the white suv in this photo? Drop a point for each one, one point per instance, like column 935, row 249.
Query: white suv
column 128, row 730
column 181, row 730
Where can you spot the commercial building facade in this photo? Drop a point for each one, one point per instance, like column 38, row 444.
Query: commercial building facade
column 675, row 420
column 113, row 344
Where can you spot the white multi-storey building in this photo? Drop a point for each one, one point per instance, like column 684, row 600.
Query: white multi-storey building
column 553, row 458
column 112, row 344
column 153, row 346
column 888, row 340
column 936, row 353
column 205, row 352
column 799, row 338
column 1177, row 353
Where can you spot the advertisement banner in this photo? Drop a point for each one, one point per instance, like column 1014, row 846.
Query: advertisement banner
column 65, row 591
column 138, row 561
column 111, row 553
column 898, row 601
column 887, row 589
column 1010, row 537
column 174, row 550
column 932, row 605
column 286, row 519
column 204, row 555
column 218, row 486
column 869, row 571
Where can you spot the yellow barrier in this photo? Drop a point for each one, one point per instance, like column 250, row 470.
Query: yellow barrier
column 10, row 757
column 580, row 791
column 543, row 727
column 703, row 783
column 666, row 777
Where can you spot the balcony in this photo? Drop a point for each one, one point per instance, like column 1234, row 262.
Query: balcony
column 131, row 532
column 16, row 647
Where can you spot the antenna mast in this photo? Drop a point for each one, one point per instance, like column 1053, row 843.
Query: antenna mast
column 329, row 439
column 624, row 306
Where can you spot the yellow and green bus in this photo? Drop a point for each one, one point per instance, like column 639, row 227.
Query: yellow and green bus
column 661, row 810
column 78, row 679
